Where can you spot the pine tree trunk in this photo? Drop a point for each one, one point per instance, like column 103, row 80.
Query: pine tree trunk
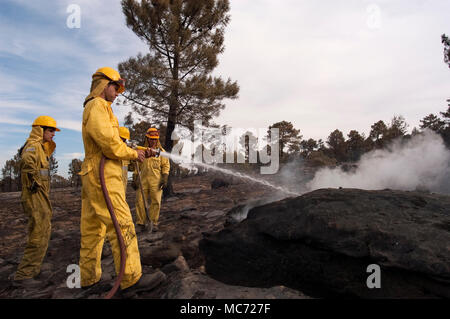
column 171, row 122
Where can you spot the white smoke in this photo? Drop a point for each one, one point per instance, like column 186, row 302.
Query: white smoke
column 422, row 163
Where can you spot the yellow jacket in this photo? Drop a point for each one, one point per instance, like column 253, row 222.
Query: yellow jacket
column 125, row 165
column 100, row 132
column 34, row 165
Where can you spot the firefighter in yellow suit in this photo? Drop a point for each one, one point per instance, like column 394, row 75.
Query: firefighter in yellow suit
column 100, row 131
column 35, row 177
column 124, row 134
column 154, row 177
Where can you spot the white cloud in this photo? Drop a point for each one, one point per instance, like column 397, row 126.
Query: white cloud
column 70, row 124
column 318, row 64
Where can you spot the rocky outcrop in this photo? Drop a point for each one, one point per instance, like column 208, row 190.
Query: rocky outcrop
column 218, row 182
column 322, row 243
column 200, row 286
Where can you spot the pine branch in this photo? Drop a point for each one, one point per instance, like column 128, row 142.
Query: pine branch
column 145, row 105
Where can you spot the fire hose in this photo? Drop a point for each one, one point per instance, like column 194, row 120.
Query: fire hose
column 123, row 253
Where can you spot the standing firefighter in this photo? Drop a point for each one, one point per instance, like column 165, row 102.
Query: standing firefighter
column 154, row 173
column 34, row 169
column 100, row 131
column 124, row 134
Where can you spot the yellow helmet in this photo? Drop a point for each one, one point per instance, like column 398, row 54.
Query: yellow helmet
column 152, row 133
column 111, row 75
column 45, row 120
column 124, row 133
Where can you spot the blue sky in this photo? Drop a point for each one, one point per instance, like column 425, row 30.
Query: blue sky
column 46, row 67
column 320, row 64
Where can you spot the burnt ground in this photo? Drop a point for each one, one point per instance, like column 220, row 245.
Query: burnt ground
column 196, row 208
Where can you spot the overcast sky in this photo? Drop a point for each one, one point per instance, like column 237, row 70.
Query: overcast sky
column 322, row 65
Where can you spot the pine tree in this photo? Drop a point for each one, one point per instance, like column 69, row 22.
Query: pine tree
column 249, row 143
column 377, row 132
column 446, row 41
column 446, row 129
column 432, row 122
column 137, row 129
column 11, row 174
column 74, row 169
column 52, row 165
column 337, row 145
column 289, row 138
column 172, row 83
column 397, row 128
column 308, row 146
column 355, row 145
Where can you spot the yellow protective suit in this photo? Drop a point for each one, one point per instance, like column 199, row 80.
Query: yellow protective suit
column 34, row 168
column 101, row 136
column 151, row 171
column 125, row 174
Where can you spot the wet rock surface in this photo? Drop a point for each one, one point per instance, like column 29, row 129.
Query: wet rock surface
column 321, row 243
column 171, row 253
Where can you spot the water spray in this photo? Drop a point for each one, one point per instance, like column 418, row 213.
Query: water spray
column 228, row 172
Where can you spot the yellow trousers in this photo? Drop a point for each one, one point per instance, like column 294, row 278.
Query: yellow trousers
column 38, row 209
column 96, row 223
column 155, row 195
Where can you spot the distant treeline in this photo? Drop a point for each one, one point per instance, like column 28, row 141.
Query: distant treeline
column 11, row 179
column 336, row 150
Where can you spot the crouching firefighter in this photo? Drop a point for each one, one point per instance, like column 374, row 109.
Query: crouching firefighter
column 104, row 211
column 35, row 178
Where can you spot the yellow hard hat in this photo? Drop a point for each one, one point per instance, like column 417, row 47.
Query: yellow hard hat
column 124, row 133
column 152, row 133
column 111, row 75
column 45, row 120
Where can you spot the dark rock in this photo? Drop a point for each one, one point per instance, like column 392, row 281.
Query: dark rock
column 98, row 290
column 191, row 191
column 146, row 236
column 146, row 283
column 63, row 292
column 172, row 199
column 6, row 271
column 106, row 252
column 46, row 267
column 157, row 256
column 239, row 212
column 195, row 286
column 58, row 234
column 322, row 243
column 179, row 264
column 217, row 183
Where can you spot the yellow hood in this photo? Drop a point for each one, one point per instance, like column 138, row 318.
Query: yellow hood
column 37, row 135
column 98, row 85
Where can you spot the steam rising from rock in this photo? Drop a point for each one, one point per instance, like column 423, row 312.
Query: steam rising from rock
column 421, row 163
